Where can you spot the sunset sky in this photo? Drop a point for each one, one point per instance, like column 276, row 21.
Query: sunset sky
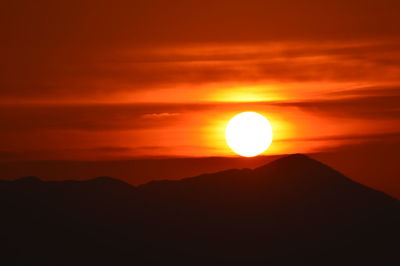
column 112, row 80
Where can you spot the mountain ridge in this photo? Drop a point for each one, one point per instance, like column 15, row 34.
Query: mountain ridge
column 295, row 160
column 288, row 163
column 294, row 211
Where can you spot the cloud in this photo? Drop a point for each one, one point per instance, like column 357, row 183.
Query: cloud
column 107, row 80
column 369, row 137
column 378, row 107
column 373, row 103
column 372, row 91
column 82, row 154
column 90, row 51
column 92, row 117
column 158, row 116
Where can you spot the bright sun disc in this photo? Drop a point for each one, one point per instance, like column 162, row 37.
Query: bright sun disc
column 249, row 134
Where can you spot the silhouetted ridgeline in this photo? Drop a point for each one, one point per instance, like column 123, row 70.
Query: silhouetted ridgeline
column 293, row 211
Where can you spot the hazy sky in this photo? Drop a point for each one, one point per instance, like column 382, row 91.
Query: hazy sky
column 106, row 80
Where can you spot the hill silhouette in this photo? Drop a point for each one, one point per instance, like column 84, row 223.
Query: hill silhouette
column 293, row 211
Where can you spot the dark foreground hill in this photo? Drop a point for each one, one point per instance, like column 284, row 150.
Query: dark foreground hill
column 293, row 211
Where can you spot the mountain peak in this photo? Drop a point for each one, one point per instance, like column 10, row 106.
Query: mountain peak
column 297, row 157
column 298, row 161
column 302, row 170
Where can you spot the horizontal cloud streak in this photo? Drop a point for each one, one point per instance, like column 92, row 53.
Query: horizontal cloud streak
column 117, row 75
column 374, row 104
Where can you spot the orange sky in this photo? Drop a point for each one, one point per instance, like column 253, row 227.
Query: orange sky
column 317, row 97
column 95, row 80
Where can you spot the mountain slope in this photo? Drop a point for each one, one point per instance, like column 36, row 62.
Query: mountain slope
column 293, row 211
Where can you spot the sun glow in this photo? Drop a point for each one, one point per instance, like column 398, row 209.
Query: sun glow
column 246, row 93
column 249, row 134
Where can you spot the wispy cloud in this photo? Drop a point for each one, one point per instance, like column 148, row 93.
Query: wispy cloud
column 158, row 116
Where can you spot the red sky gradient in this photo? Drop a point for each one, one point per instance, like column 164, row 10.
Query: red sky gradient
column 116, row 80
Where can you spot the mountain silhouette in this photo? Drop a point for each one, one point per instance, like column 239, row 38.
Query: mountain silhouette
column 293, row 211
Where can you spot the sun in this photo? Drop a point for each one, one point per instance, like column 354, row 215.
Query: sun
column 248, row 134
